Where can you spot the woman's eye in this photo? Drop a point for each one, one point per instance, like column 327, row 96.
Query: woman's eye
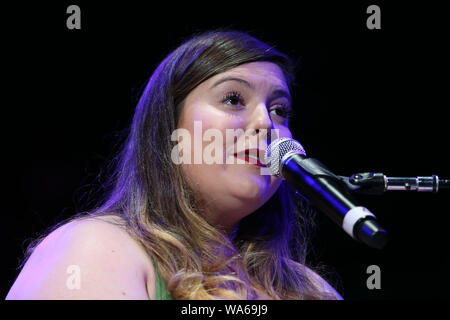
column 281, row 111
column 233, row 99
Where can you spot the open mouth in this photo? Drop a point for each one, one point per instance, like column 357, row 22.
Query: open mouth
column 252, row 156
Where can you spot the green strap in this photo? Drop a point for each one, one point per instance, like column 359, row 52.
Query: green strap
column 161, row 290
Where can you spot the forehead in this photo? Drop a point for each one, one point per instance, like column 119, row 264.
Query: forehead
column 260, row 72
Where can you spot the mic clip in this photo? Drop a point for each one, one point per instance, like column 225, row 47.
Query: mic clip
column 366, row 183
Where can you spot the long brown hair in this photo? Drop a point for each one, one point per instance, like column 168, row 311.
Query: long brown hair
column 159, row 209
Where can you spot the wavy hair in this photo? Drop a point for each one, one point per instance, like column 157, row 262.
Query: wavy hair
column 149, row 193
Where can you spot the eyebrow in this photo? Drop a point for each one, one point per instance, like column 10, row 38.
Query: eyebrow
column 278, row 93
column 245, row 82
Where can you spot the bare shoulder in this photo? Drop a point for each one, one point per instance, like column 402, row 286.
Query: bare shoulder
column 90, row 258
column 323, row 284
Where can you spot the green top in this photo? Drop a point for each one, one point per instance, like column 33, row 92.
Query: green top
column 161, row 290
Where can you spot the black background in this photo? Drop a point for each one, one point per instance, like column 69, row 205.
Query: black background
column 368, row 100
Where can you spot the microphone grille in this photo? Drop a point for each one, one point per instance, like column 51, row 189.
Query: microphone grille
column 278, row 150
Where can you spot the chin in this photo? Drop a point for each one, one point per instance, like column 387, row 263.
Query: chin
column 253, row 190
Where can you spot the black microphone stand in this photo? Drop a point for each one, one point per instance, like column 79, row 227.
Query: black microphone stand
column 377, row 183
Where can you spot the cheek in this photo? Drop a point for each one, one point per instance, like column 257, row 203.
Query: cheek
column 206, row 122
column 210, row 118
column 200, row 121
column 284, row 132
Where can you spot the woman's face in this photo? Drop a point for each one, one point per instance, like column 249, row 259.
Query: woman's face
column 242, row 105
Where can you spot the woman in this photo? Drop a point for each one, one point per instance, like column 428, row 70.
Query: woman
column 190, row 230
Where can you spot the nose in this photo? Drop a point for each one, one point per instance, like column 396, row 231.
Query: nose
column 260, row 121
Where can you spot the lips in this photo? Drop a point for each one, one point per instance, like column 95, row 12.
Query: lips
column 252, row 156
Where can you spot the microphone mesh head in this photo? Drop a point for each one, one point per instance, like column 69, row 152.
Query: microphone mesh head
column 278, row 150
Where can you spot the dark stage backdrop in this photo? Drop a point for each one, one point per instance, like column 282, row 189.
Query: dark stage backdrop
column 368, row 100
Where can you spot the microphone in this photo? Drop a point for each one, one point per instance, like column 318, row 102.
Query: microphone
column 286, row 159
